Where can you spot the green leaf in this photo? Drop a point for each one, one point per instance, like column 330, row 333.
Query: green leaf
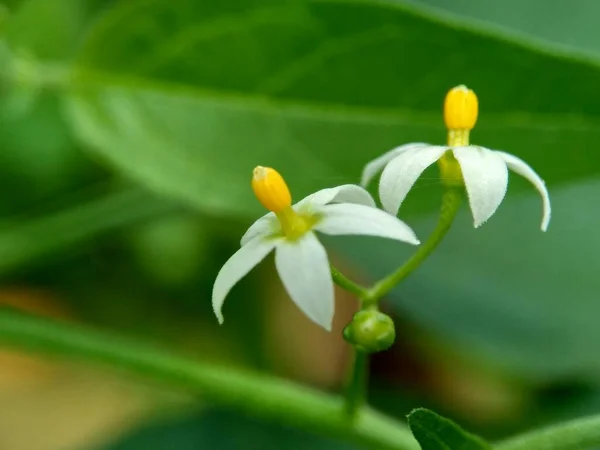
column 48, row 29
column 435, row 432
column 187, row 97
column 570, row 23
column 3, row 18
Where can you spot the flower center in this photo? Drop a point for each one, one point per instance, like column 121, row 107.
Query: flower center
column 450, row 170
column 272, row 192
column 294, row 225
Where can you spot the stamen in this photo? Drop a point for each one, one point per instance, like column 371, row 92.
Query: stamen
column 460, row 114
column 270, row 189
column 272, row 192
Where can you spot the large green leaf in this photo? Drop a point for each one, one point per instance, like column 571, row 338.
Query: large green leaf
column 435, row 432
column 49, row 29
column 35, row 21
column 187, row 96
column 571, row 23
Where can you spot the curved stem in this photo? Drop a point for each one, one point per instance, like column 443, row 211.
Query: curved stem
column 356, row 392
column 450, row 206
column 578, row 434
column 357, row 388
column 347, row 284
column 262, row 396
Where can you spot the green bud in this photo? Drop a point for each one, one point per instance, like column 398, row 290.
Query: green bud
column 370, row 331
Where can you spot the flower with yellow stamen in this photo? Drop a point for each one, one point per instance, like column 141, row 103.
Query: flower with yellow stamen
column 300, row 259
column 483, row 172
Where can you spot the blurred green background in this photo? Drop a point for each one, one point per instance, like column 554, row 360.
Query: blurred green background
column 128, row 132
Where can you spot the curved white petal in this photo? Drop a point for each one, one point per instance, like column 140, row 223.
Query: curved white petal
column 346, row 193
column 304, row 271
column 522, row 168
column 376, row 165
column 237, row 267
column 402, row 172
column 265, row 226
column 486, row 179
column 364, row 220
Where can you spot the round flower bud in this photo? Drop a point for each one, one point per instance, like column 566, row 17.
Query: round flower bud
column 370, row 331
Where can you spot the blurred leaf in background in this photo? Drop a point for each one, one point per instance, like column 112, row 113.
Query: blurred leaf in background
column 223, row 430
column 39, row 158
column 570, row 24
column 190, row 104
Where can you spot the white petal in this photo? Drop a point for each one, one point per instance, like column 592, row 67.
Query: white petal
column 346, row 193
column 237, row 267
column 265, row 226
column 364, row 220
column 486, row 179
column 522, row 168
column 402, row 172
column 373, row 167
column 304, row 271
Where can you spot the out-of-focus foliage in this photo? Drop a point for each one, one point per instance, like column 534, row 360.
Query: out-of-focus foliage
column 218, row 429
column 128, row 130
column 569, row 24
column 209, row 90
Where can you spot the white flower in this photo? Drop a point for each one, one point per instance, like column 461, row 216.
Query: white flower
column 484, row 172
column 300, row 259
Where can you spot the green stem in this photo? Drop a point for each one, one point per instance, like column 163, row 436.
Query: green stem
column 578, row 434
column 356, row 392
column 260, row 395
column 450, row 205
column 347, row 284
column 357, row 388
